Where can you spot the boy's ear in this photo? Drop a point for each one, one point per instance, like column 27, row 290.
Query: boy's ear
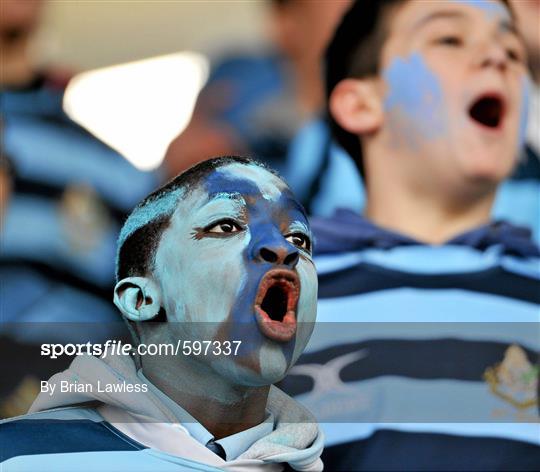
column 356, row 106
column 138, row 298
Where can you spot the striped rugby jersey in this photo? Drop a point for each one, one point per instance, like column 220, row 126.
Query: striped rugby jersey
column 71, row 194
column 424, row 357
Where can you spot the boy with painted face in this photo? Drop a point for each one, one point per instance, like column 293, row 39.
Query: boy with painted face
column 430, row 99
column 439, row 113
column 222, row 255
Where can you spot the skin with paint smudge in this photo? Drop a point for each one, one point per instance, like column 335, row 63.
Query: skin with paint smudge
column 424, row 129
column 227, row 233
column 440, row 57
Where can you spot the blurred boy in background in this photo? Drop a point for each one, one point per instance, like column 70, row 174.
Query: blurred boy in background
column 70, row 194
column 432, row 365
column 325, row 178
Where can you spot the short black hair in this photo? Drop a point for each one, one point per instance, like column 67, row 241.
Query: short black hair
column 355, row 52
column 136, row 252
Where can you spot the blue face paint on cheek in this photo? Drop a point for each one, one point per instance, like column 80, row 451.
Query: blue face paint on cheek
column 414, row 103
column 492, row 8
column 524, row 111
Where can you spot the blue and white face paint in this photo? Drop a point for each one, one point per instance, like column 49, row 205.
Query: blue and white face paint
column 234, row 265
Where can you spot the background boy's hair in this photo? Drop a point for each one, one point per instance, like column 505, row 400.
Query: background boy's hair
column 354, row 52
column 143, row 228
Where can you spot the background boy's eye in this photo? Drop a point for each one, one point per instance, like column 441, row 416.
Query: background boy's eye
column 224, row 226
column 513, row 55
column 450, row 41
column 299, row 240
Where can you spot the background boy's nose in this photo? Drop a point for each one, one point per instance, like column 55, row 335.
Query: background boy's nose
column 493, row 55
column 279, row 255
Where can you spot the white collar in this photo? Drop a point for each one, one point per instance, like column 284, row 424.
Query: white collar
column 233, row 445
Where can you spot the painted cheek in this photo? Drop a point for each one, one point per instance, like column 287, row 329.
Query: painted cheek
column 217, row 280
column 191, row 273
column 414, row 101
column 273, row 361
column 307, row 305
column 169, row 273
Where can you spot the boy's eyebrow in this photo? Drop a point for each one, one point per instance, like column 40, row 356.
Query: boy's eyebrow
column 504, row 25
column 235, row 197
column 301, row 226
column 225, row 196
column 436, row 15
column 297, row 206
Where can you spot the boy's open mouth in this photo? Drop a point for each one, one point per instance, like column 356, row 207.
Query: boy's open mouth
column 488, row 110
column 275, row 304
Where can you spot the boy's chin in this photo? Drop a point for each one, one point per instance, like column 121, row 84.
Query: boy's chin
column 488, row 168
column 488, row 159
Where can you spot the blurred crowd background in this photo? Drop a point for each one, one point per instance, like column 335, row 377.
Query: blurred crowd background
column 104, row 100
column 101, row 103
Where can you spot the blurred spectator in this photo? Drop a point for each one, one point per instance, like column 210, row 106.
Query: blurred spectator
column 70, row 193
column 320, row 173
column 254, row 104
column 18, row 22
column 324, row 178
column 424, row 352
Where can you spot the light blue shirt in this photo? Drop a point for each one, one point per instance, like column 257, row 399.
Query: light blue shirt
column 233, row 445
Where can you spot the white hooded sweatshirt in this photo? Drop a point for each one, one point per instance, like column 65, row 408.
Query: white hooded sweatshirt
column 152, row 435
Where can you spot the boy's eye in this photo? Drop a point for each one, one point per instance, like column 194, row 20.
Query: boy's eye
column 513, row 55
column 450, row 41
column 224, row 226
column 299, row 240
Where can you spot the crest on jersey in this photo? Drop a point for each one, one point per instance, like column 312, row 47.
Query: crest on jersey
column 515, row 379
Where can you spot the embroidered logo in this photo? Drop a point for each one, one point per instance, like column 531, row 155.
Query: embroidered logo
column 514, row 379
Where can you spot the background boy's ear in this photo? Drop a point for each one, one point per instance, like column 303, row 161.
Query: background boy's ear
column 138, row 298
column 356, row 106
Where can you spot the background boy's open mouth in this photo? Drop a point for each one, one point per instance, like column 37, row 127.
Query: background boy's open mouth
column 488, row 110
column 275, row 304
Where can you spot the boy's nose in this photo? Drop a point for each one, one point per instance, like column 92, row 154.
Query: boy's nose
column 493, row 54
column 279, row 255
